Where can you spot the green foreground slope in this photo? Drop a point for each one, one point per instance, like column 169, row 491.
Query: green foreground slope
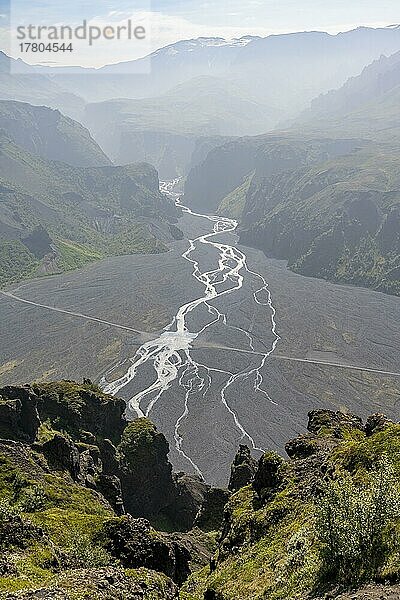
column 83, row 496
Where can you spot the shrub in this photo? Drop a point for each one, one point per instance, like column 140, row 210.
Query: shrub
column 355, row 524
column 33, row 499
column 83, row 553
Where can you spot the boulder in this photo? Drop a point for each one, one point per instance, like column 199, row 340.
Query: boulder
column 136, row 544
column 62, row 455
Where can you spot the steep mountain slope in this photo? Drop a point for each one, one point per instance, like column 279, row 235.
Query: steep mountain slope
column 329, row 207
column 339, row 220
column 54, row 216
column 49, row 134
column 320, row 525
column 21, row 82
column 366, row 105
column 226, row 166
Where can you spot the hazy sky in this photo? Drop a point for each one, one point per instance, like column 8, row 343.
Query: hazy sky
column 171, row 20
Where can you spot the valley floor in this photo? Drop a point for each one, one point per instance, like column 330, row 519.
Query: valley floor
column 315, row 320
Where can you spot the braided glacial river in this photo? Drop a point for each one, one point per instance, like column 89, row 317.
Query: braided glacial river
column 170, row 357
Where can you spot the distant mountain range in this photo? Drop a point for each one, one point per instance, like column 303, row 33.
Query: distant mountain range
column 243, row 87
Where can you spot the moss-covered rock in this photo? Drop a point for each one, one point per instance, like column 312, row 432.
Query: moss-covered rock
column 19, row 419
column 243, row 469
column 80, row 409
column 110, row 583
column 136, row 544
column 272, row 543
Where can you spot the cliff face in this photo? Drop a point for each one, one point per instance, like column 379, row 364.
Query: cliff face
column 338, row 220
column 328, row 207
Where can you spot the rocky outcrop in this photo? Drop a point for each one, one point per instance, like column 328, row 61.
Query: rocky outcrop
column 19, row 418
column 268, row 477
column 243, row 469
column 375, row 423
column 110, row 487
column 127, row 463
column 62, row 455
column 333, row 423
column 145, row 472
column 150, row 488
column 210, row 515
column 79, row 409
column 108, row 583
column 136, row 544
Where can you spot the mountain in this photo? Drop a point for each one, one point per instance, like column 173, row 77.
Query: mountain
column 164, row 130
column 290, row 69
column 21, row 82
column 330, row 207
column 155, row 74
column 55, row 217
column 226, row 166
column 338, row 220
column 366, row 105
column 50, row 134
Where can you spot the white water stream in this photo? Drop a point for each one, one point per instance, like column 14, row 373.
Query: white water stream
column 170, row 354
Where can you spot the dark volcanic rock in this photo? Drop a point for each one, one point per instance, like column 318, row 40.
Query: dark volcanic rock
column 19, row 419
column 136, row 544
column 16, row 532
column 308, row 445
column 376, row 422
column 267, row 478
column 188, row 495
column 210, row 594
column 328, row 421
column 62, row 455
column 150, row 489
column 146, row 474
column 81, row 408
column 243, row 469
column 110, row 487
column 211, row 513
